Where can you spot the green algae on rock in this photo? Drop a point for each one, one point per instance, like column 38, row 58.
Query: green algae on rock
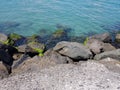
column 37, row 47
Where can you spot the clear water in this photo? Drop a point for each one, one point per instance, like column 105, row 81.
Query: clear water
column 83, row 16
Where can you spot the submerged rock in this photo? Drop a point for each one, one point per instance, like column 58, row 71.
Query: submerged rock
column 106, row 37
column 33, row 38
column 79, row 39
column 7, row 25
column 57, row 36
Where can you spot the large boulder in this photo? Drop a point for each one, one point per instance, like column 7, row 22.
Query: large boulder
column 88, row 76
column 54, row 58
column 28, row 65
column 115, row 54
column 73, row 50
column 106, row 37
column 97, row 46
column 108, row 47
column 50, row 58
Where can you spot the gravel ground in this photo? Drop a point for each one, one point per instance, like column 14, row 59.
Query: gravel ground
column 87, row 76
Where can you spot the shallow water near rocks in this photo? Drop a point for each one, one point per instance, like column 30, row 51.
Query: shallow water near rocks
column 27, row 17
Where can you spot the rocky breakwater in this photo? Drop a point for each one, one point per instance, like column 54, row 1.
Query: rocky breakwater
column 92, row 65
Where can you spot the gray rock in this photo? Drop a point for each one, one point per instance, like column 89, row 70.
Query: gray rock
column 55, row 57
column 89, row 76
column 117, row 38
column 102, row 37
column 24, row 48
column 36, row 45
column 73, row 50
column 3, row 71
column 115, row 54
column 97, row 46
column 3, row 37
column 50, row 58
column 29, row 65
column 108, row 47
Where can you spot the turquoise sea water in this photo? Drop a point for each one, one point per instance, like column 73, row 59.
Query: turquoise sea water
column 27, row 17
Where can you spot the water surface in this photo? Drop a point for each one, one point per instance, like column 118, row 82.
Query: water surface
column 27, row 17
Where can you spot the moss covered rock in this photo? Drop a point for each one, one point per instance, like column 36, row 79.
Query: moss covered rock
column 12, row 38
column 3, row 38
column 85, row 42
column 33, row 38
column 37, row 47
column 58, row 33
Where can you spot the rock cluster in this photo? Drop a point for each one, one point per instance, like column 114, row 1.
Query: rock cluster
column 94, row 64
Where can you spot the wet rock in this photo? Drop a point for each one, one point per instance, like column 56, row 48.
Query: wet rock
column 32, row 49
column 63, row 27
column 115, row 54
column 57, row 36
column 44, row 32
column 22, row 48
column 33, row 38
column 88, row 76
column 37, row 47
column 102, row 37
column 7, row 60
column 79, row 39
column 58, row 33
column 6, row 56
column 15, row 39
column 73, row 50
